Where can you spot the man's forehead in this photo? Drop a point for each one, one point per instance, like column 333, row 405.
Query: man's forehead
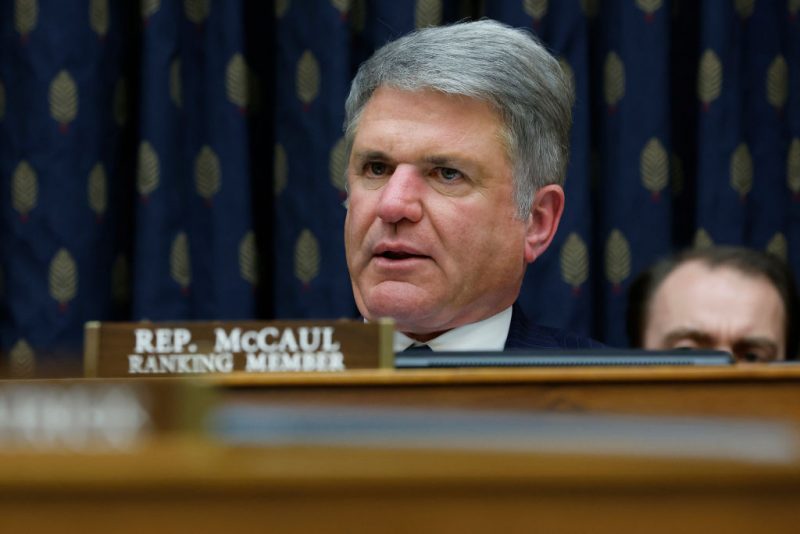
column 393, row 115
column 386, row 97
column 702, row 275
column 695, row 293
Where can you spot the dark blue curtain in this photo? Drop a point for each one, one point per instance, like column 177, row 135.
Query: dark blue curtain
column 183, row 159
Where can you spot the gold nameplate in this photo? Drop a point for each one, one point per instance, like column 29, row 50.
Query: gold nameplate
column 194, row 348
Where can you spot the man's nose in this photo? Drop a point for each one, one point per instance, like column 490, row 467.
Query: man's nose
column 401, row 197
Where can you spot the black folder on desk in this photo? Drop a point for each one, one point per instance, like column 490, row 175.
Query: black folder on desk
column 562, row 358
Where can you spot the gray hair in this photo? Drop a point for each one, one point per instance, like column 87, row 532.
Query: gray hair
column 489, row 61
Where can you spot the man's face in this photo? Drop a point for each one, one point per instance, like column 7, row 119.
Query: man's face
column 717, row 308
column 431, row 235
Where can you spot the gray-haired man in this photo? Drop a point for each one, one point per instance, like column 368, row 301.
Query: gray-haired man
column 458, row 144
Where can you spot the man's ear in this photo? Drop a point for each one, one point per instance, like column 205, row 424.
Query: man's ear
column 546, row 211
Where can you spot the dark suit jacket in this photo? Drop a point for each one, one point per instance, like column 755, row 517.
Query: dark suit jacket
column 525, row 335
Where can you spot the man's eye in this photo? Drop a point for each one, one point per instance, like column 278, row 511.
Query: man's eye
column 376, row 168
column 449, row 174
column 751, row 355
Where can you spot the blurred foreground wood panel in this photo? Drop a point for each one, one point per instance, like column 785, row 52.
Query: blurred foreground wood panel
column 194, row 487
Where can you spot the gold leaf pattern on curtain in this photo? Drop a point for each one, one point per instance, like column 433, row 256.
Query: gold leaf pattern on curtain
column 26, row 15
column 150, row 8
column 709, row 79
column 613, row 80
column 702, row 239
column 741, row 170
column 778, row 83
column 148, row 173
column 197, row 10
column 308, row 78
column 63, row 278
column 342, row 6
column 649, row 6
column 180, row 268
column 654, row 167
column 574, row 259
column 569, row 73
column 793, row 166
column 207, row 174
column 21, row 360
column 427, row 13
column 24, row 189
column 618, row 258
column 248, row 258
column 778, row 246
column 306, row 257
column 535, row 9
column 337, row 165
column 63, row 97
column 97, row 190
column 98, row 17
column 238, row 84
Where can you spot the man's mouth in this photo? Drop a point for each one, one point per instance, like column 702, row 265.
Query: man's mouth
column 398, row 252
column 396, row 255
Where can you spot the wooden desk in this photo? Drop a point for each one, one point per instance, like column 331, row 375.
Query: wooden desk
column 185, row 484
column 742, row 390
column 194, row 487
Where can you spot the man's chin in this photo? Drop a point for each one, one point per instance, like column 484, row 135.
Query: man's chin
column 405, row 303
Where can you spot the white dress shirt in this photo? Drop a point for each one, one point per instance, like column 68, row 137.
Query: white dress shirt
column 489, row 334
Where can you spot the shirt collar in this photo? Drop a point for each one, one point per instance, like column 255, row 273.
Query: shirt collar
column 486, row 335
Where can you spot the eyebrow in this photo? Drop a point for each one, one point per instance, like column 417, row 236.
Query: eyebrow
column 698, row 336
column 433, row 160
column 756, row 342
column 362, row 155
column 443, row 161
column 703, row 339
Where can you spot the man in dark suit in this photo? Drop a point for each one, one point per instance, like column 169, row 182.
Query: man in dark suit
column 458, row 144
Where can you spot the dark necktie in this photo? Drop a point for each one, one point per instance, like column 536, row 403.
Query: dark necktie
column 417, row 349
